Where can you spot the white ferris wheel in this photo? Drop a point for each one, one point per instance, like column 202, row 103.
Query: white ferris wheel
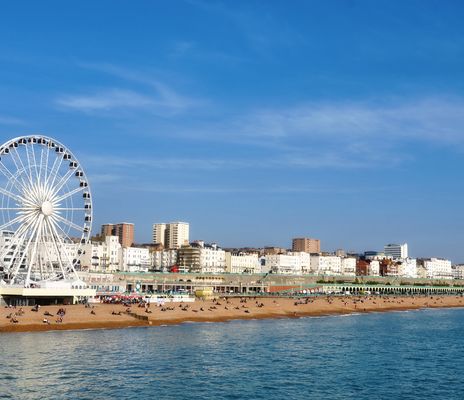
column 46, row 211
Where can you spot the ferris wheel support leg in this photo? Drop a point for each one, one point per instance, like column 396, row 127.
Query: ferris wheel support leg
column 34, row 228
column 34, row 250
column 52, row 223
column 17, row 241
column 52, row 235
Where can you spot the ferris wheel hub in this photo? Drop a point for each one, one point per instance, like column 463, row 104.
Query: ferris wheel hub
column 47, row 208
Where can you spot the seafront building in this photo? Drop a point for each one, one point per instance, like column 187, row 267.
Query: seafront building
column 172, row 235
column 273, row 250
column 102, row 256
column 164, row 260
column 326, row 265
column 407, row 268
column 374, row 255
column 306, row 245
column 242, row 263
column 292, row 263
column 109, row 255
column 437, row 268
column 135, row 259
column 396, row 251
column 374, row 268
column 348, row 267
column 212, row 258
column 458, row 271
column 124, row 231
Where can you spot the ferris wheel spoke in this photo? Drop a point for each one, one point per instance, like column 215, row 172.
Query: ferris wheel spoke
column 65, row 234
column 53, row 226
column 11, row 195
column 48, row 257
column 17, row 208
column 16, row 197
column 70, row 209
column 35, row 163
column 17, row 160
column 19, row 218
column 12, row 178
column 53, row 242
column 30, row 164
column 46, row 163
column 26, row 249
column 66, row 195
column 41, row 165
column 33, row 260
column 18, row 246
column 17, row 236
column 41, row 249
column 51, row 173
column 54, row 173
column 56, row 227
column 62, row 182
column 65, row 221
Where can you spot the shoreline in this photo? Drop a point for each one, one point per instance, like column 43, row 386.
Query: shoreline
column 214, row 311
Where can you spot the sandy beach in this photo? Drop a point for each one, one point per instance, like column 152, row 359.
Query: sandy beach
column 119, row 316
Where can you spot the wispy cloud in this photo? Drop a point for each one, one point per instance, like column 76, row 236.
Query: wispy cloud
column 190, row 50
column 149, row 94
column 166, row 163
column 342, row 134
column 220, row 188
column 106, row 100
column 312, row 135
column 297, row 160
column 6, row 120
column 429, row 119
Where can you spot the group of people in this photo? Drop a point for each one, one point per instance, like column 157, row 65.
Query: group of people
column 12, row 316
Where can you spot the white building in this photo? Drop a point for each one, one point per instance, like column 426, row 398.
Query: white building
column 396, row 251
column 408, row 268
column 374, row 255
column 326, row 265
column 292, row 263
column 159, row 233
column 7, row 252
column 374, row 268
column 102, row 256
column 135, row 259
column 438, row 268
column 242, row 263
column 212, row 258
column 165, row 259
column 458, row 271
column 348, row 266
column 172, row 235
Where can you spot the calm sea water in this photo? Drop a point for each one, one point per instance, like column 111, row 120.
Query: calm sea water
column 407, row 355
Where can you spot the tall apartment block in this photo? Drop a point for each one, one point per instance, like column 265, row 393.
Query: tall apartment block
column 172, row 235
column 396, row 250
column 307, row 245
column 124, row 230
column 159, row 234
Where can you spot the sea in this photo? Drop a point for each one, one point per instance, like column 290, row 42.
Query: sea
column 394, row 355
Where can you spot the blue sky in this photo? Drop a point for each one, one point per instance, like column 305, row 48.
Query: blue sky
column 255, row 121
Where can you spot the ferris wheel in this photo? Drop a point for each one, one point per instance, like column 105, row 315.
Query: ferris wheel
column 46, row 211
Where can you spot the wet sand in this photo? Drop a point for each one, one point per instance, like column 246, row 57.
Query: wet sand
column 80, row 317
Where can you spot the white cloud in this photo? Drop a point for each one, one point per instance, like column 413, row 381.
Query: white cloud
column 106, row 100
column 149, row 94
column 430, row 119
column 6, row 120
